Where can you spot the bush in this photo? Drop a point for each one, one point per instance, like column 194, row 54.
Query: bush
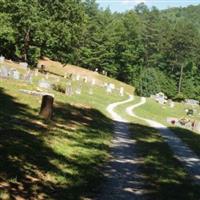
column 59, row 87
column 179, row 97
column 152, row 81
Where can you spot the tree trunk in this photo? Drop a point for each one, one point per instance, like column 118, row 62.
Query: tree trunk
column 26, row 44
column 180, row 80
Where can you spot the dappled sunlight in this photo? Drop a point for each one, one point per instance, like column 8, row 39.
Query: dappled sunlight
column 50, row 160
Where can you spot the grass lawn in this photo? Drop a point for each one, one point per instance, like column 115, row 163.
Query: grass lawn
column 155, row 111
column 165, row 176
column 60, row 159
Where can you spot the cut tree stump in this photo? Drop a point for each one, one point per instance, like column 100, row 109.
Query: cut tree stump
column 46, row 109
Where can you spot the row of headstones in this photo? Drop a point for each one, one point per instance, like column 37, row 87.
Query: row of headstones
column 6, row 72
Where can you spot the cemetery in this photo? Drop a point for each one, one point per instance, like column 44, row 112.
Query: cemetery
column 54, row 99
column 99, row 100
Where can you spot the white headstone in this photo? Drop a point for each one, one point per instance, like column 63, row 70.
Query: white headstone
column 121, row 91
column 44, row 84
column 23, row 64
column 69, row 90
column 36, row 72
column 4, row 71
column 77, row 77
column 2, row 59
column 16, row 75
column 93, row 81
column 109, row 88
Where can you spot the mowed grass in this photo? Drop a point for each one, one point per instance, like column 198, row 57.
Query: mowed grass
column 155, row 111
column 165, row 178
column 58, row 159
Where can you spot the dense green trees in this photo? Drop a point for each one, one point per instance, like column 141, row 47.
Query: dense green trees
column 150, row 49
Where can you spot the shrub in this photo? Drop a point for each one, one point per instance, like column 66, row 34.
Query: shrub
column 59, row 87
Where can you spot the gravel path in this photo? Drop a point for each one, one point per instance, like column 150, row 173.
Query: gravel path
column 181, row 151
column 123, row 182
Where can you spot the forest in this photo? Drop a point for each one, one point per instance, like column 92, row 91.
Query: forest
column 153, row 50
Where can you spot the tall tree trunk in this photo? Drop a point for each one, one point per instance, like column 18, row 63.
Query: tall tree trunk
column 26, row 44
column 180, row 80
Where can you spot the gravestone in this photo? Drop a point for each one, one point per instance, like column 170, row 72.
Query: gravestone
column 77, row 77
column 16, row 75
column 109, row 88
column 44, row 84
column 2, row 59
column 121, row 91
column 161, row 98
column 24, row 65
column 78, row 90
column 28, row 76
column 192, row 102
column 85, row 79
column 93, row 82
column 171, row 103
column 69, row 90
column 46, row 109
column 36, row 72
column 4, row 72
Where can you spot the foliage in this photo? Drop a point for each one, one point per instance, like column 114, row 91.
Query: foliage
column 81, row 33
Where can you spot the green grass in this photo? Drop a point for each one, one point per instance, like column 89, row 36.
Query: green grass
column 60, row 159
column 155, row 111
column 165, row 177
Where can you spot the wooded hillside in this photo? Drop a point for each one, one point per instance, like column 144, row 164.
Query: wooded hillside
column 150, row 49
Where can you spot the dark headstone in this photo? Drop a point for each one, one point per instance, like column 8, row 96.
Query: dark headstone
column 46, row 109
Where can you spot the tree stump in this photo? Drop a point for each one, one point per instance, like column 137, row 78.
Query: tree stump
column 46, row 109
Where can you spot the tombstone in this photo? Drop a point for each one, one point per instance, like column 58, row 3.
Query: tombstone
column 85, row 79
column 160, row 98
column 77, row 77
column 69, row 90
column 2, row 59
column 42, row 68
column 46, row 109
column 65, row 76
column 4, row 72
column 93, row 82
column 121, row 91
column 36, row 72
column 16, row 75
column 96, row 70
column 24, row 65
column 190, row 112
column 44, row 84
column 192, row 102
column 78, row 90
column 109, row 88
column 171, row 103
column 112, row 86
column 28, row 76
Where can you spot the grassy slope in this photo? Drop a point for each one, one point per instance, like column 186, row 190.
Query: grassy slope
column 155, row 111
column 55, row 160
column 166, row 178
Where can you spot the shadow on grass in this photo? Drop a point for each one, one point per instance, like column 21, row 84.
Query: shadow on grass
column 34, row 166
column 62, row 160
column 191, row 138
column 166, row 178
